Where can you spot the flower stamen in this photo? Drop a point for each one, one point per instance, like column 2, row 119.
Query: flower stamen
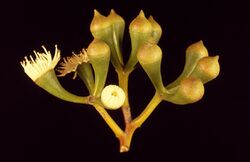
column 42, row 63
column 70, row 64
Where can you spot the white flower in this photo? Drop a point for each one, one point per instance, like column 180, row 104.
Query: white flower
column 113, row 97
column 43, row 63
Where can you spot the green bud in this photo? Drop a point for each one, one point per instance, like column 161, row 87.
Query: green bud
column 190, row 90
column 110, row 30
column 140, row 29
column 207, row 69
column 118, row 26
column 194, row 53
column 99, row 26
column 140, row 25
column 156, row 29
column 150, row 56
column 99, row 56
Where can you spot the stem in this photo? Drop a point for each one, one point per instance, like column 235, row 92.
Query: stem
column 125, row 140
column 119, row 133
column 137, row 122
column 123, row 83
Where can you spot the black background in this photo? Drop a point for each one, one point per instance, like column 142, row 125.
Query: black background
column 35, row 126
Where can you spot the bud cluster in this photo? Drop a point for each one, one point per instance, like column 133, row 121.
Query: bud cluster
column 92, row 66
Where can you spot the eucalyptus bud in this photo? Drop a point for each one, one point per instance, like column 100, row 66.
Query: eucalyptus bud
column 118, row 26
column 190, row 90
column 156, row 29
column 194, row 53
column 207, row 68
column 99, row 56
column 100, row 27
column 140, row 29
column 150, row 56
column 110, row 30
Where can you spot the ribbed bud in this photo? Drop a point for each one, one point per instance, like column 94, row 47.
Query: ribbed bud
column 140, row 29
column 99, row 56
column 156, row 29
column 207, row 68
column 190, row 90
column 150, row 56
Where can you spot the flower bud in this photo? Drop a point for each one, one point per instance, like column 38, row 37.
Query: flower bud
column 194, row 53
column 196, row 50
column 140, row 25
column 99, row 26
column 140, row 30
column 190, row 90
column 118, row 23
column 156, row 29
column 118, row 26
column 99, row 56
column 110, row 30
column 207, row 69
column 150, row 56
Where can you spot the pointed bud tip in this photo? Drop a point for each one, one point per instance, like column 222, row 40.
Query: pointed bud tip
column 197, row 48
column 112, row 11
column 96, row 13
column 216, row 57
column 141, row 14
column 140, row 24
column 207, row 69
column 150, row 17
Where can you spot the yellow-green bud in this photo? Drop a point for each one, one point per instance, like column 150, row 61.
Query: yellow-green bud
column 150, row 56
column 140, row 29
column 118, row 26
column 190, row 90
column 156, row 29
column 149, row 53
column 140, row 25
column 99, row 26
column 207, row 68
column 197, row 49
column 194, row 53
column 99, row 56
column 118, row 22
column 110, row 30
column 98, row 49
